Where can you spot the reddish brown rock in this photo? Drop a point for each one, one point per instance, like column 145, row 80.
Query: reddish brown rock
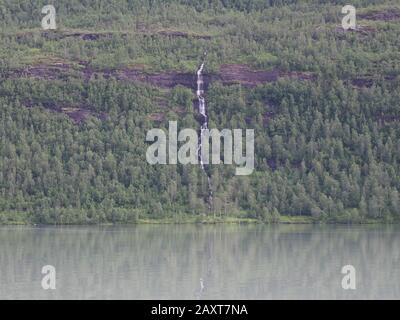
column 387, row 15
column 243, row 74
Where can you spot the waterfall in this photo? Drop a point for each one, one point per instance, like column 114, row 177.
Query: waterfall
column 204, row 126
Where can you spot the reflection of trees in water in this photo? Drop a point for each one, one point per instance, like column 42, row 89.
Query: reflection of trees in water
column 168, row 261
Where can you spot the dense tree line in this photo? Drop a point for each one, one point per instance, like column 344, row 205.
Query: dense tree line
column 324, row 148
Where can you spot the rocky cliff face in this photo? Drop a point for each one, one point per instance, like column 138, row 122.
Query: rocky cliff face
column 228, row 74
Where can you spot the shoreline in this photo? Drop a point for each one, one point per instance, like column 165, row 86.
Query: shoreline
column 208, row 220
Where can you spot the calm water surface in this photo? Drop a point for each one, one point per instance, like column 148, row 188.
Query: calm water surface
column 168, row 261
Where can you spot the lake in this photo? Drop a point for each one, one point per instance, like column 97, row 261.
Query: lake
column 200, row 262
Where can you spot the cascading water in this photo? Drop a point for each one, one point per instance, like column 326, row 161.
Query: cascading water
column 204, row 126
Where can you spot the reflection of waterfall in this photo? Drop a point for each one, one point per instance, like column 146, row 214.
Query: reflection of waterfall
column 206, row 280
column 204, row 126
column 199, row 292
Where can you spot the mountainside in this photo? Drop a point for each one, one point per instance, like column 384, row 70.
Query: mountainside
column 77, row 102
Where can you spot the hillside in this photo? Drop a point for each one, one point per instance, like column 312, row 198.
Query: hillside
column 76, row 104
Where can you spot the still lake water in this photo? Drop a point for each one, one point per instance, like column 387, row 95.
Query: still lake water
column 167, row 262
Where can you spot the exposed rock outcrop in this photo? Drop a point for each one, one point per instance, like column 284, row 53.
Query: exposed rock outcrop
column 387, row 15
column 243, row 74
column 228, row 74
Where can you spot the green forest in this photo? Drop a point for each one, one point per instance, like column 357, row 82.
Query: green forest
column 76, row 104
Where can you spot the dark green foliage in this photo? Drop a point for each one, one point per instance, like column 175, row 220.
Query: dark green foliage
column 324, row 148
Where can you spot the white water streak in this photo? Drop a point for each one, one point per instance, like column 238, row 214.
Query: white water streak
column 204, row 125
